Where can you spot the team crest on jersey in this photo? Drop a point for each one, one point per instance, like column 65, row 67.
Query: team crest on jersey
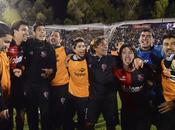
column 62, row 100
column 103, row 67
column 140, row 77
column 31, row 52
column 46, row 94
column 43, row 54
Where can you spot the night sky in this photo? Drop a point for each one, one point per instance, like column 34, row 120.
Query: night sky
column 59, row 7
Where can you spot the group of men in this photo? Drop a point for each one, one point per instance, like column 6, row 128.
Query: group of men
column 32, row 65
column 34, row 75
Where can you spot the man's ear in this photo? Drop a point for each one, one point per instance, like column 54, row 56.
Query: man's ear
column 94, row 48
column 73, row 49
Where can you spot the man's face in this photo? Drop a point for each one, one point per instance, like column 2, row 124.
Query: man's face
column 40, row 33
column 146, row 40
column 55, row 38
column 169, row 46
column 22, row 33
column 80, row 49
column 5, row 42
column 102, row 48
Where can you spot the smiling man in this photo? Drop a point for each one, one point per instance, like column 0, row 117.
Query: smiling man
column 40, row 68
column 167, row 108
column 152, row 56
column 20, row 32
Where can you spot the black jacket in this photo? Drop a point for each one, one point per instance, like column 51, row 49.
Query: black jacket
column 2, row 102
column 37, row 56
column 102, row 82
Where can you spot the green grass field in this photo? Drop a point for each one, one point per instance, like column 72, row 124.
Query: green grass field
column 101, row 123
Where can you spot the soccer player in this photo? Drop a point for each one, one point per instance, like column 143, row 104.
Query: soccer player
column 134, row 87
column 102, row 93
column 40, row 68
column 167, row 108
column 152, row 56
column 78, row 89
column 59, row 85
column 15, row 54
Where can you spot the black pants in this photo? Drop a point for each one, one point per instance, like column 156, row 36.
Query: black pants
column 167, row 121
column 19, row 119
column 37, row 103
column 58, row 104
column 76, row 105
column 17, row 102
column 5, row 124
column 107, row 105
column 135, row 120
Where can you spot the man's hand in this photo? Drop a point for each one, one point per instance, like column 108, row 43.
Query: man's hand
column 4, row 114
column 166, row 106
column 67, row 60
column 167, row 72
column 46, row 73
column 17, row 72
column 138, row 63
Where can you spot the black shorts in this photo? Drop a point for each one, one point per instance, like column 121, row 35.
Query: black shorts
column 105, row 105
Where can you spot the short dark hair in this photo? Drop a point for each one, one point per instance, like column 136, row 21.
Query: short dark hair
column 130, row 46
column 37, row 24
column 55, row 31
column 168, row 36
column 16, row 25
column 77, row 40
column 4, row 30
column 148, row 30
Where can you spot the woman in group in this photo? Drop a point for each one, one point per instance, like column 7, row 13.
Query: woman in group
column 134, row 87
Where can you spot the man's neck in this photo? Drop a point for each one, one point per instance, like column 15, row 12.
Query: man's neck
column 18, row 42
column 145, row 48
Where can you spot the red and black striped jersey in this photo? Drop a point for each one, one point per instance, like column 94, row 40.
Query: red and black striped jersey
column 133, row 87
